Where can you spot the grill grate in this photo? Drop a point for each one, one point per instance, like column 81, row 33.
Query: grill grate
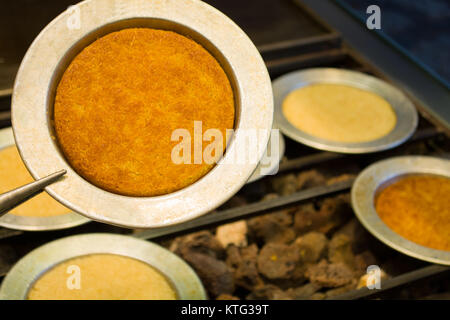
column 326, row 49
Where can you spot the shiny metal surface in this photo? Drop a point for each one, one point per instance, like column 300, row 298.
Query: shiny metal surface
column 364, row 190
column 71, row 219
column 11, row 199
column 21, row 277
column 405, row 111
column 57, row 44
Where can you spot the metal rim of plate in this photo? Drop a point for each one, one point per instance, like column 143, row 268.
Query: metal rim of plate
column 27, row 270
column 11, row 221
column 406, row 113
column 364, row 191
column 54, row 48
column 262, row 170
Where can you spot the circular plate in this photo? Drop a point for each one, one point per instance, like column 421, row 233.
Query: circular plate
column 12, row 221
column 405, row 111
column 62, row 39
column 363, row 195
column 19, row 280
column 262, row 170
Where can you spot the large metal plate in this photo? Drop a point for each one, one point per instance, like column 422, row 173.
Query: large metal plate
column 405, row 111
column 25, row 272
column 11, row 221
column 55, row 47
column 363, row 194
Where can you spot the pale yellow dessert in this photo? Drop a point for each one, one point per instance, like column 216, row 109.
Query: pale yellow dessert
column 339, row 113
column 102, row 277
column 13, row 174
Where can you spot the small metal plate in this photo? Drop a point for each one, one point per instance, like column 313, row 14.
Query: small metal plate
column 11, row 221
column 54, row 48
column 261, row 170
column 363, row 194
column 19, row 280
column 405, row 111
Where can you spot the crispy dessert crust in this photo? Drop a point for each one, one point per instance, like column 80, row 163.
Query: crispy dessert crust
column 418, row 208
column 121, row 98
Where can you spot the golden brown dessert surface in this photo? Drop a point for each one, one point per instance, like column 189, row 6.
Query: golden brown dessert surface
column 339, row 113
column 418, row 208
column 122, row 97
column 13, row 174
column 102, row 277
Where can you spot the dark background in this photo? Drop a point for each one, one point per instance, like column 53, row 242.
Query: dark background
column 421, row 27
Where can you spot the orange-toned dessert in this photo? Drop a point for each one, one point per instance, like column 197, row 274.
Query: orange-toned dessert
column 418, row 208
column 120, row 100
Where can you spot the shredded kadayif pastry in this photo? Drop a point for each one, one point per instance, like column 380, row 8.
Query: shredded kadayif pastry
column 122, row 97
column 418, row 208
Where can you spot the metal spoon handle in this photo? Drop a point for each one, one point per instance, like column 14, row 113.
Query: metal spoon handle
column 13, row 198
